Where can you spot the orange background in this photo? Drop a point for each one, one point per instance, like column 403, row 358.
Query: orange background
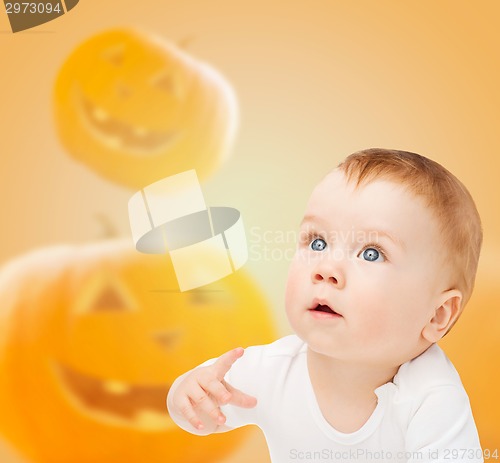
column 315, row 80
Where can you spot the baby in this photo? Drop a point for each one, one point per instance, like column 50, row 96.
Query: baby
column 386, row 261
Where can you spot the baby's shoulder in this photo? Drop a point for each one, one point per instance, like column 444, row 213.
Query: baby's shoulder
column 430, row 371
column 431, row 404
column 287, row 347
column 266, row 362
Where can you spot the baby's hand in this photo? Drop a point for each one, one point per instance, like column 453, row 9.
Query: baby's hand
column 200, row 394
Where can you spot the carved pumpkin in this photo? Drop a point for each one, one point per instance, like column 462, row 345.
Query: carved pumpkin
column 135, row 108
column 91, row 337
column 473, row 346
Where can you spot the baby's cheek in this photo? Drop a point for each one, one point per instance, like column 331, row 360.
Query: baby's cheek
column 375, row 328
column 378, row 317
column 390, row 326
column 292, row 288
column 295, row 274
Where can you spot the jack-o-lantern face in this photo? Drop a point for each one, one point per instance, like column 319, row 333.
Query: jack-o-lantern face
column 137, row 109
column 104, row 301
column 92, row 339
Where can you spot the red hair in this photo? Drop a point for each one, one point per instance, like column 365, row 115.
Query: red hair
column 444, row 194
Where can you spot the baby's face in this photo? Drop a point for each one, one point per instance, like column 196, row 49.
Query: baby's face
column 372, row 255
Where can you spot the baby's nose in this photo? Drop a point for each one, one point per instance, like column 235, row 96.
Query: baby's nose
column 327, row 273
column 319, row 277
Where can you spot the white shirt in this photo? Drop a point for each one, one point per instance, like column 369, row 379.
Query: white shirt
column 424, row 415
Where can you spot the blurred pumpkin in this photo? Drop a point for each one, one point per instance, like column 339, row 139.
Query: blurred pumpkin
column 136, row 108
column 473, row 346
column 91, row 337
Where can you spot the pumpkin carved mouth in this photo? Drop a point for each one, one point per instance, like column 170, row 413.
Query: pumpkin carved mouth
column 131, row 405
column 119, row 135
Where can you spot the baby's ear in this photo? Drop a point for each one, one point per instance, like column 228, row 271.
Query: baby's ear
column 444, row 316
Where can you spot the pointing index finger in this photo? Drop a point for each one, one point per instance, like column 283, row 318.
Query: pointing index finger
column 224, row 363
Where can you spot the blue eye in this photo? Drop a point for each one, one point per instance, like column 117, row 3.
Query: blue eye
column 371, row 254
column 318, row 244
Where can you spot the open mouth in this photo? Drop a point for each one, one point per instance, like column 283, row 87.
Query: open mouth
column 138, row 406
column 121, row 136
column 324, row 311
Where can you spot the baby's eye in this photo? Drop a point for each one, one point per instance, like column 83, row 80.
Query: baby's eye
column 372, row 254
column 318, row 244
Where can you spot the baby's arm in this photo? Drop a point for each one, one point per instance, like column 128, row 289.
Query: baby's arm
column 195, row 398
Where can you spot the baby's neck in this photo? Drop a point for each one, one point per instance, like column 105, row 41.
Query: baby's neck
column 345, row 378
column 345, row 391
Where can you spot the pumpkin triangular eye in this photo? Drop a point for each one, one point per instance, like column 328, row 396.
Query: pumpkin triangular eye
column 104, row 293
column 109, row 299
column 115, row 55
column 167, row 339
